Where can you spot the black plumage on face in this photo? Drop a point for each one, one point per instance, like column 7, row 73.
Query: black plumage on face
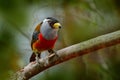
column 52, row 21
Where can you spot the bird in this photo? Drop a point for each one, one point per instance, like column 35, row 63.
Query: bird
column 44, row 38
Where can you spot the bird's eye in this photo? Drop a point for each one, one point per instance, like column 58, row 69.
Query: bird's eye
column 51, row 23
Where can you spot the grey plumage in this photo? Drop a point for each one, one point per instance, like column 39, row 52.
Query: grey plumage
column 47, row 31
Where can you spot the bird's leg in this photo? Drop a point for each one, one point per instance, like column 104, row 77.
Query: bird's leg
column 37, row 57
column 51, row 51
column 52, row 57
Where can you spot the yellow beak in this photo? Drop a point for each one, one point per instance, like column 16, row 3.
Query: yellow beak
column 57, row 25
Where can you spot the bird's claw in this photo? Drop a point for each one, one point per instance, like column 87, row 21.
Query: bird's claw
column 37, row 60
column 53, row 57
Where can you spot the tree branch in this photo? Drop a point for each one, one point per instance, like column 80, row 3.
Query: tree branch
column 68, row 53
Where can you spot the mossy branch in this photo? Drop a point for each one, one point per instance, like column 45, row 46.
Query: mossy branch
column 68, row 53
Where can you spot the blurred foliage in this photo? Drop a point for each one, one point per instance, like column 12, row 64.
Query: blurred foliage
column 81, row 20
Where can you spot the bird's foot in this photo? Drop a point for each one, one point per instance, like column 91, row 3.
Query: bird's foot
column 52, row 52
column 37, row 59
column 53, row 57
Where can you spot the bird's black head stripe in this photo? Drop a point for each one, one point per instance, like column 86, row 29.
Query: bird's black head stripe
column 52, row 21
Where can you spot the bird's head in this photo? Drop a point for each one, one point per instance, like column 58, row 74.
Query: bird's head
column 52, row 22
column 50, row 27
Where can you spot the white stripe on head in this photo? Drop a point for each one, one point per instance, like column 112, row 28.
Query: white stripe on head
column 45, row 20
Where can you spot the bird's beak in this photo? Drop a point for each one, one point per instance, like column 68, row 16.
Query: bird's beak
column 57, row 25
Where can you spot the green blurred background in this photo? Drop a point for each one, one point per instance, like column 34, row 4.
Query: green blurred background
column 81, row 20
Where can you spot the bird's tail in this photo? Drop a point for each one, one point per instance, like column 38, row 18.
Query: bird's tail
column 32, row 58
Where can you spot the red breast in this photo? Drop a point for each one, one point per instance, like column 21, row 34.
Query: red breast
column 44, row 44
